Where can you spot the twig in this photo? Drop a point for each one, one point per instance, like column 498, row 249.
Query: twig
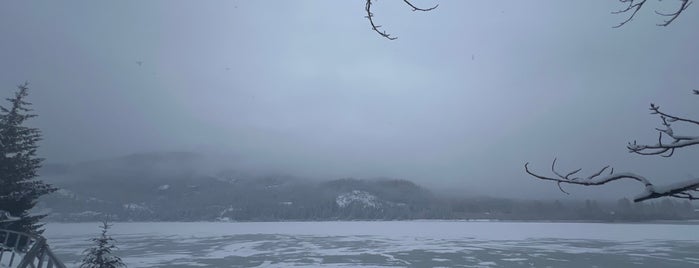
column 370, row 17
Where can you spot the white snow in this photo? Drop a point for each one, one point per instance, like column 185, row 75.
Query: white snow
column 94, row 199
column 87, row 213
column 222, row 214
column 441, row 243
column 482, row 230
column 677, row 185
column 662, row 189
column 136, row 207
column 65, row 193
column 362, row 198
column 514, row 259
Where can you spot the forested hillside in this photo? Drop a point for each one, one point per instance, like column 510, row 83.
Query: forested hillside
column 172, row 187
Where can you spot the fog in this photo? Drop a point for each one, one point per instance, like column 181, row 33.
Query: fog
column 464, row 97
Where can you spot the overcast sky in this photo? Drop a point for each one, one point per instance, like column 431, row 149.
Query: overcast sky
column 466, row 95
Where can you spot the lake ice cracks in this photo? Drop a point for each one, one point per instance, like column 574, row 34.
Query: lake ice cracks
column 392, row 243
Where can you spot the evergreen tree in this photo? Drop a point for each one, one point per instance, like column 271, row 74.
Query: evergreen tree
column 100, row 254
column 19, row 188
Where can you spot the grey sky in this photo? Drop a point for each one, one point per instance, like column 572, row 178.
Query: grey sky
column 466, row 95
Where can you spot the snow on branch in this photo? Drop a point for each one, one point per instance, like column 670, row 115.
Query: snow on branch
column 666, row 149
column 633, row 6
column 686, row 189
column 370, row 17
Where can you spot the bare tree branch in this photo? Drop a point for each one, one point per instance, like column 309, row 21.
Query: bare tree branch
column 684, row 189
column 685, row 4
column 666, row 149
column 419, row 9
column 688, row 189
column 633, row 6
column 370, row 17
column 656, row 110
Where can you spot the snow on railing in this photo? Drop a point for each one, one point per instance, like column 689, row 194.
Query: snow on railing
column 23, row 250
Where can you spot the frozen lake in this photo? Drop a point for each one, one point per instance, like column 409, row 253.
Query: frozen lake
column 394, row 243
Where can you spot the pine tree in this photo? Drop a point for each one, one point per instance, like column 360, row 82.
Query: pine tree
column 19, row 188
column 100, row 254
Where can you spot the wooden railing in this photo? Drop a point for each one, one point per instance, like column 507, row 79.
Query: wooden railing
column 21, row 250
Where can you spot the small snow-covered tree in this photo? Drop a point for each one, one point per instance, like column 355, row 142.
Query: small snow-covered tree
column 668, row 141
column 19, row 188
column 100, row 255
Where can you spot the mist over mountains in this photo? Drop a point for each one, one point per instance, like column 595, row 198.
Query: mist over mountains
column 183, row 186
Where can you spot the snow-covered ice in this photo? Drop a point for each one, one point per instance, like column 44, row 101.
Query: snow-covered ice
column 392, row 243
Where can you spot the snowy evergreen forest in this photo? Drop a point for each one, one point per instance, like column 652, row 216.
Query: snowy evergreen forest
column 167, row 187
